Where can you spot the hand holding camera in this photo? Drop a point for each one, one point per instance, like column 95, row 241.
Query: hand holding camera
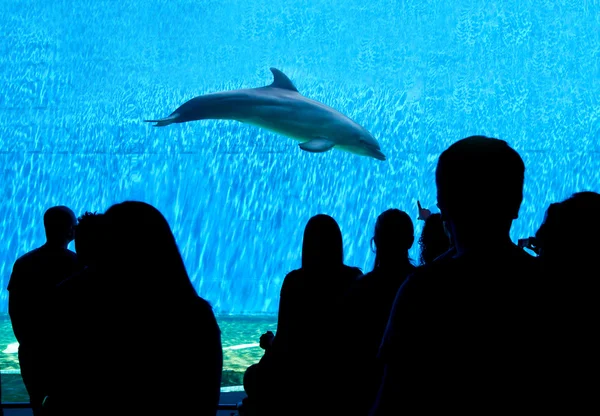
column 529, row 243
column 266, row 340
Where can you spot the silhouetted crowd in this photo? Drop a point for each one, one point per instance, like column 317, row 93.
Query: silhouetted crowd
column 478, row 325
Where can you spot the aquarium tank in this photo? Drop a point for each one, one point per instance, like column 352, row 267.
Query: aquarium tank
column 79, row 79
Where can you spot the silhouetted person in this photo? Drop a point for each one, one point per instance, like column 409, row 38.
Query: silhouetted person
column 434, row 240
column 294, row 376
column 369, row 305
column 76, row 294
column 88, row 238
column 31, row 290
column 568, row 242
column 569, row 238
column 137, row 338
column 463, row 332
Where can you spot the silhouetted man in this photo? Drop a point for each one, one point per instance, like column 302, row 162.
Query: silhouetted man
column 31, row 286
column 461, row 337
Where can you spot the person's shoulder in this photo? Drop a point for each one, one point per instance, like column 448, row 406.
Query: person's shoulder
column 67, row 255
column 367, row 277
column 449, row 254
column 361, row 284
column 292, row 282
column 47, row 253
column 293, row 277
column 438, row 267
column 29, row 256
column 352, row 271
column 22, row 268
column 365, row 280
column 71, row 254
column 357, row 271
column 431, row 277
column 203, row 305
column 294, row 274
column 410, row 269
column 200, row 307
column 203, row 312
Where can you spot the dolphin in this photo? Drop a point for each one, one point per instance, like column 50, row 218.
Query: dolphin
column 280, row 108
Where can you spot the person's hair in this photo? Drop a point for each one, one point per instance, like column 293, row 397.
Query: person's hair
column 59, row 222
column 322, row 245
column 143, row 249
column 434, row 240
column 480, row 177
column 393, row 236
column 89, row 237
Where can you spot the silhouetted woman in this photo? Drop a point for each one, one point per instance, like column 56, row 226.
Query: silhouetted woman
column 297, row 375
column 569, row 238
column 569, row 244
column 141, row 339
column 371, row 300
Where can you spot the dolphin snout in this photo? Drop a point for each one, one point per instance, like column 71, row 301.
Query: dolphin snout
column 373, row 150
column 377, row 154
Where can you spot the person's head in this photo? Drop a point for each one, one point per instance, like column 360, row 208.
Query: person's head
column 394, row 235
column 434, row 240
column 142, row 248
column 322, row 243
column 480, row 185
column 89, row 237
column 570, row 233
column 59, row 223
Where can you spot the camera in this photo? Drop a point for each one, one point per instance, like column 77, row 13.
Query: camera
column 529, row 243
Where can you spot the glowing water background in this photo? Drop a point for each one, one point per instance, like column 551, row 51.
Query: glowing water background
column 78, row 78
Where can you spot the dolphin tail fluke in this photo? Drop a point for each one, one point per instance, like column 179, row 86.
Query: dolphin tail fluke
column 164, row 121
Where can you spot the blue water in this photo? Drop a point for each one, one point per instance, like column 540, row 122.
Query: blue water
column 78, row 78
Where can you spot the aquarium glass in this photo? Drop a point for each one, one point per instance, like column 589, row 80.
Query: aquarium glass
column 78, row 79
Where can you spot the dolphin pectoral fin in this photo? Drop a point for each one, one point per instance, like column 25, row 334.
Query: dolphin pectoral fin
column 317, row 145
column 164, row 121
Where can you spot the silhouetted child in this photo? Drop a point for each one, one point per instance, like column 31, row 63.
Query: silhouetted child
column 31, row 291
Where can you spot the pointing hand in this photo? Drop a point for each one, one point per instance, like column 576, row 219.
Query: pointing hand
column 423, row 212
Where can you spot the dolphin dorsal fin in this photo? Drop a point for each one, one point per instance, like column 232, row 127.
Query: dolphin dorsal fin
column 280, row 80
